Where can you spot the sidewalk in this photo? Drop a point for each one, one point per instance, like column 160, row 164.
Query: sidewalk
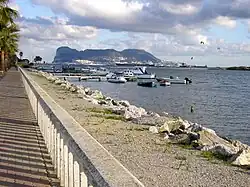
column 24, row 159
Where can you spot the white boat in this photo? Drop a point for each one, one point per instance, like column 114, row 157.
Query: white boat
column 165, row 83
column 117, row 79
column 173, row 80
column 146, row 76
column 141, row 73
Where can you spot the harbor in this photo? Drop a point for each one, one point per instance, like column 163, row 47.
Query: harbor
column 116, row 75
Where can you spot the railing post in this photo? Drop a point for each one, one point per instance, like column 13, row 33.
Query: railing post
column 71, row 170
column 83, row 179
column 76, row 174
column 62, row 168
column 66, row 165
column 58, row 150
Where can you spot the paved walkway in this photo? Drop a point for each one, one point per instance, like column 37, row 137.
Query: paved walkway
column 24, row 159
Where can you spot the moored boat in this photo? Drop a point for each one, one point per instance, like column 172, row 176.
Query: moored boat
column 117, row 79
column 175, row 80
column 129, row 76
column 165, row 83
column 147, row 84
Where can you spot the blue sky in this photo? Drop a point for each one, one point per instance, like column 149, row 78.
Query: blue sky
column 172, row 32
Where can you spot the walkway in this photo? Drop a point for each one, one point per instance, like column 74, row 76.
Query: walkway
column 24, row 159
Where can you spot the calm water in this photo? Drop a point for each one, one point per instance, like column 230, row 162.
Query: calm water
column 220, row 98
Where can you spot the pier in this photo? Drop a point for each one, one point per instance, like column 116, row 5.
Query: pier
column 42, row 145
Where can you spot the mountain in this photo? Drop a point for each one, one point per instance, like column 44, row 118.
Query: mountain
column 66, row 54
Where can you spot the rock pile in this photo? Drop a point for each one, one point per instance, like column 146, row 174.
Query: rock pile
column 183, row 132
column 175, row 130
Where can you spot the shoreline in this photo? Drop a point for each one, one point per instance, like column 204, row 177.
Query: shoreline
column 119, row 130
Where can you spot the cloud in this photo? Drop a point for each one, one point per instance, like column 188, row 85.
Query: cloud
column 150, row 15
column 52, row 29
column 225, row 21
column 167, row 28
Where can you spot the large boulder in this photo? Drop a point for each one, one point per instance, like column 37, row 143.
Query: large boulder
column 150, row 120
column 58, row 82
column 67, row 86
column 88, row 91
column 242, row 158
column 208, row 138
column 51, row 78
column 133, row 112
column 153, row 129
column 124, row 103
column 182, row 139
column 221, row 149
column 97, row 95
column 114, row 102
column 81, row 91
column 171, row 125
column 73, row 88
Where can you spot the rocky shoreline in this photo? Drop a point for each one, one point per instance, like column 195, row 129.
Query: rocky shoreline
column 174, row 130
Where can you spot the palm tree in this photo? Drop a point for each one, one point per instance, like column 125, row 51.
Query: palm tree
column 8, row 42
column 8, row 32
column 7, row 14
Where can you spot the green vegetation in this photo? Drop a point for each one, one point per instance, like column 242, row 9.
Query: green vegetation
column 111, row 117
column 212, row 156
column 9, row 34
column 99, row 110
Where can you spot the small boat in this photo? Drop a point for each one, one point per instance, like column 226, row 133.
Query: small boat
column 141, row 73
column 146, row 76
column 175, row 80
column 117, row 79
column 147, row 84
column 164, row 83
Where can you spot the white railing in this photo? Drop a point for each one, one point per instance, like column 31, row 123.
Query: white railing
column 79, row 160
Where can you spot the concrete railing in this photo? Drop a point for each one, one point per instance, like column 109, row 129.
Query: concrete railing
column 79, row 160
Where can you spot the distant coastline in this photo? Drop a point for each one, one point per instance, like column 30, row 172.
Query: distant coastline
column 241, row 68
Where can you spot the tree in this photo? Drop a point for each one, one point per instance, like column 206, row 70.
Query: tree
column 8, row 42
column 7, row 14
column 8, row 32
column 38, row 59
column 21, row 55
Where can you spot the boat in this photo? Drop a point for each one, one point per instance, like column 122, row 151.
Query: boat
column 141, row 73
column 129, row 76
column 116, row 79
column 165, row 83
column 176, row 80
column 146, row 76
column 146, row 84
column 94, row 71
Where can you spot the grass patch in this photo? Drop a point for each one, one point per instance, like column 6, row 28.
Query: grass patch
column 99, row 110
column 121, row 118
column 137, row 128
column 212, row 156
column 111, row 117
column 193, row 145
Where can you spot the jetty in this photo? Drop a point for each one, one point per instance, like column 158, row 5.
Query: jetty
column 42, row 145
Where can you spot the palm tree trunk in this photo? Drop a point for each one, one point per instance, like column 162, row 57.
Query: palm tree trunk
column 6, row 62
column 2, row 61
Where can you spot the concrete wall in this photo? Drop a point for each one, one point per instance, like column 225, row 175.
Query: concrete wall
column 79, row 160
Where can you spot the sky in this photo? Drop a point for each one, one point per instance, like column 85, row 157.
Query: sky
column 169, row 29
